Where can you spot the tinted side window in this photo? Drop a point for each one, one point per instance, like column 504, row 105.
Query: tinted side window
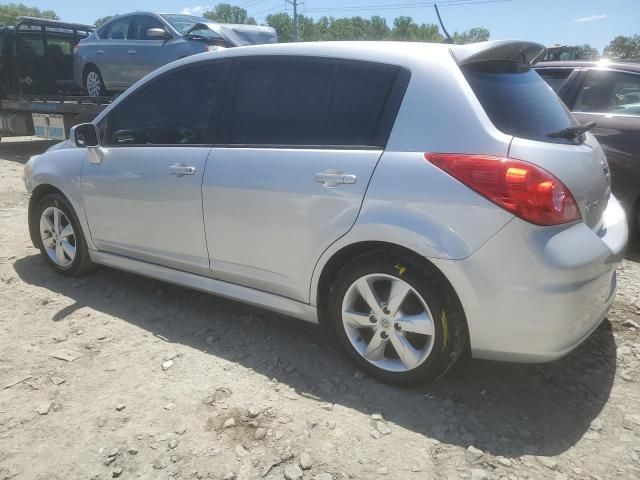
column 517, row 100
column 119, row 29
column 181, row 107
column 555, row 78
column 302, row 101
column 609, row 92
column 281, row 102
column 30, row 44
column 144, row 23
column 359, row 98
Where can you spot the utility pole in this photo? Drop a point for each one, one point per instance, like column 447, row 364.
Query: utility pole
column 295, row 4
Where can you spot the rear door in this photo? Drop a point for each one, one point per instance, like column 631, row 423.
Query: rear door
column 114, row 54
column 302, row 138
column 612, row 100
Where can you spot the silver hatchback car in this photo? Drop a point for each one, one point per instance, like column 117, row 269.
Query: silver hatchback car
column 128, row 47
column 417, row 200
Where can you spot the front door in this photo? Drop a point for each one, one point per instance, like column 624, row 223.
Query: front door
column 302, row 141
column 143, row 199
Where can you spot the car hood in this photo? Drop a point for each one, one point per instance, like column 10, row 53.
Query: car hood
column 240, row 35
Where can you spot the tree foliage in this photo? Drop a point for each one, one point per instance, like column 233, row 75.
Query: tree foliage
column 103, row 20
column 623, row 48
column 11, row 11
column 477, row 34
column 587, row 52
column 353, row 28
column 226, row 13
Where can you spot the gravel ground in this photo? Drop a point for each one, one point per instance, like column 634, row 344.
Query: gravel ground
column 118, row 376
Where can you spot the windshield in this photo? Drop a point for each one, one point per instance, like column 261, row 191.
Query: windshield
column 184, row 23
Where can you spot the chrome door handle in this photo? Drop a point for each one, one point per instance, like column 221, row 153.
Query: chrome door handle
column 100, row 52
column 180, row 170
column 333, row 178
column 132, row 51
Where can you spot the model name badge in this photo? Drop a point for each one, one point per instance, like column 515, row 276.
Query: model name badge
column 593, row 206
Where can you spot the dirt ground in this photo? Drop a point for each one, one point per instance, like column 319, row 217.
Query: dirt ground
column 172, row 383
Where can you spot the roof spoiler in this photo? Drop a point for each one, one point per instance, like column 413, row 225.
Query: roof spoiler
column 525, row 52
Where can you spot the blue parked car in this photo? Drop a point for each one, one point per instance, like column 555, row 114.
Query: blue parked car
column 126, row 48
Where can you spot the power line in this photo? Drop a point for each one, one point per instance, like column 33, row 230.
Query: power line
column 450, row 3
column 267, row 10
column 251, row 3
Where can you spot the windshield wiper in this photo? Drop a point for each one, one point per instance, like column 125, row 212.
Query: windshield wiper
column 572, row 132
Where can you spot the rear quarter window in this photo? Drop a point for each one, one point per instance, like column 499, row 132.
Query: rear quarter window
column 517, row 100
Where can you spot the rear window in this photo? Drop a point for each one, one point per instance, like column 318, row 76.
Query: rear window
column 517, row 100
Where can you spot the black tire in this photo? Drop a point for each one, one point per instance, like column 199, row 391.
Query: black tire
column 450, row 326
column 101, row 90
column 81, row 264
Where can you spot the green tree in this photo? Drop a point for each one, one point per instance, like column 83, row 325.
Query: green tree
column 282, row 24
column 623, row 48
column 379, row 29
column 102, row 20
column 403, row 27
column 226, row 13
column 586, row 52
column 11, row 11
column 427, row 32
column 306, row 29
column 477, row 34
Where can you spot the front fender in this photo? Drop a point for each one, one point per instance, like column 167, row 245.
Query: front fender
column 62, row 169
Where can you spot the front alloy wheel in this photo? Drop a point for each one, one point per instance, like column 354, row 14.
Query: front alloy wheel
column 56, row 232
column 58, row 236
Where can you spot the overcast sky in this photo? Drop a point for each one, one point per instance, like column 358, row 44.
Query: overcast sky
column 566, row 22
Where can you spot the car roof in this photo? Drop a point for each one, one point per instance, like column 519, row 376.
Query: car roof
column 631, row 66
column 396, row 53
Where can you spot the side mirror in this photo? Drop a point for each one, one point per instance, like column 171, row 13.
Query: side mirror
column 157, row 34
column 85, row 135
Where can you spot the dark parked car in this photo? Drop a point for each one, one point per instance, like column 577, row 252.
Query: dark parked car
column 36, row 56
column 607, row 93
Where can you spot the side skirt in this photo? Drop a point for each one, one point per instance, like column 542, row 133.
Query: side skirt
column 269, row 301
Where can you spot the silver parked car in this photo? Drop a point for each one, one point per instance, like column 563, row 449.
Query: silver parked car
column 128, row 47
column 416, row 200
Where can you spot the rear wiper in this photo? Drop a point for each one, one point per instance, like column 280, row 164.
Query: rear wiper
column 572, row 132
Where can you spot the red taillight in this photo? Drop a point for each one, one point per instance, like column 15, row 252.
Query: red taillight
column 522, row 188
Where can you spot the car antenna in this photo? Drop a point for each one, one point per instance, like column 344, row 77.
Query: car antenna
column 448, row 39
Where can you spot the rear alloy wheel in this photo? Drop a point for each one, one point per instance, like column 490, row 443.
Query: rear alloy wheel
column 396, row 318
column 93, row 83
column 401, row 321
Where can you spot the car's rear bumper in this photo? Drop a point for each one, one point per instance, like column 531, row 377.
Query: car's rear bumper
column 533, row 294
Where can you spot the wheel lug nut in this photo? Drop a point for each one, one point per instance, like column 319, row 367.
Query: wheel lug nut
column 384, row 335
column 372, row 318
column 385, row 310
column 397, row 327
